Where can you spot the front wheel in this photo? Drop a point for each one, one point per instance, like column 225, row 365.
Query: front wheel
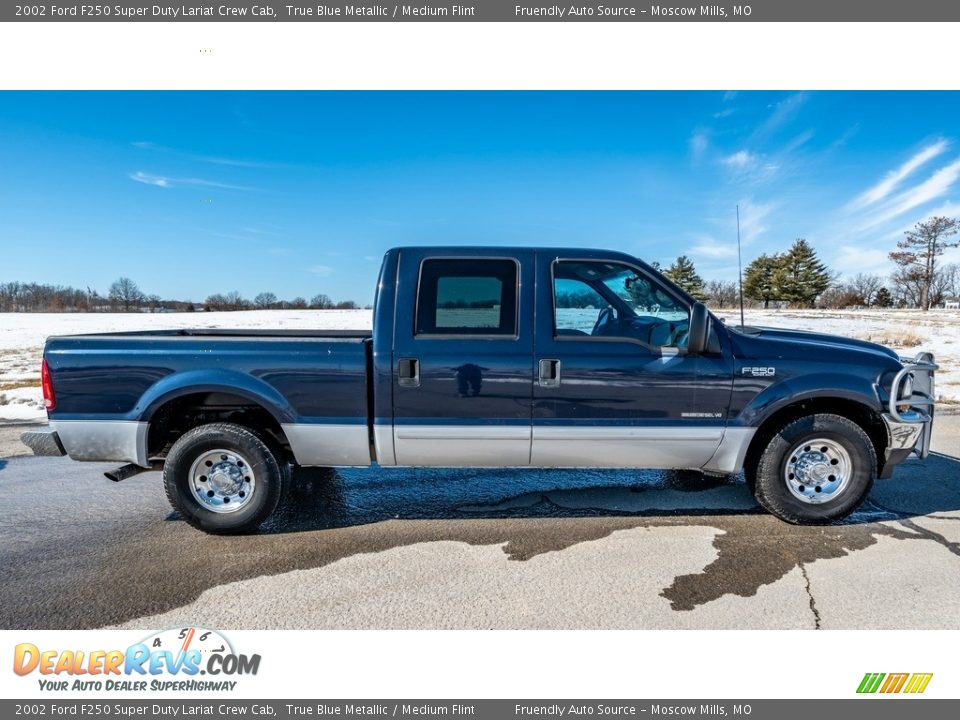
column 815, row 470
column 222, row 478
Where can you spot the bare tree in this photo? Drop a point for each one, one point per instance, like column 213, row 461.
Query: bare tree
column 126, row 293
column 216, row 302
column 235, row 301
column 321, row 302
column 917, row 257
column 265, row 300
column 866, row 287
column 721, row 294
column 840, row 296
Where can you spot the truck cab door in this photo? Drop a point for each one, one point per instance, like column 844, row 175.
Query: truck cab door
column 615, row 386
column 463, row 359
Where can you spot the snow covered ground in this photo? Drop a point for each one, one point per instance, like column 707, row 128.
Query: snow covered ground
column 22, row 337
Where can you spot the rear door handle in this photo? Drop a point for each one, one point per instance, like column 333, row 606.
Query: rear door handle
column 549, row 373
column 408, row 372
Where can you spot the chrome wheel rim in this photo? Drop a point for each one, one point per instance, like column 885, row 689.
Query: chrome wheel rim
column 222, row 481
column 817, row 470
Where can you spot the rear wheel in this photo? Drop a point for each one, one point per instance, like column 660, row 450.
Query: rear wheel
column 222, row 478
column 815, row 470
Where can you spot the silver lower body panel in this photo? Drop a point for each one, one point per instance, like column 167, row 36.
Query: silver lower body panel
column 624, row 447
column 119, row 440
column 462, row 445
column 329, row 445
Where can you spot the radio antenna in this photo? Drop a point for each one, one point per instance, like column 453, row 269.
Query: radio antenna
column 740, row 266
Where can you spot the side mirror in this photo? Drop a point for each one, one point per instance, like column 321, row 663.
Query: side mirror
column 699, row 332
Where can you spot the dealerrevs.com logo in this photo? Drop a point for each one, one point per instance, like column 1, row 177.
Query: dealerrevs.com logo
column 181, row 653
column 912, row 683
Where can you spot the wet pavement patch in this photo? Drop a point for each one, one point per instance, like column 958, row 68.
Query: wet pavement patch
column 115, row 553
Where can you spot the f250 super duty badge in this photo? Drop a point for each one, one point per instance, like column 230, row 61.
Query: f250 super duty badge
column 759, row 371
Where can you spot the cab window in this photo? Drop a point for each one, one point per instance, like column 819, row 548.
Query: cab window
column 610, row 300
column 467, row 296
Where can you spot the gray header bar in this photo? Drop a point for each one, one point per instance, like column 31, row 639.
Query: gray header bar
column 486, row 11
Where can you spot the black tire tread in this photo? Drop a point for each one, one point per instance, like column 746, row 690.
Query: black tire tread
column 768, row 485
column 250, row 442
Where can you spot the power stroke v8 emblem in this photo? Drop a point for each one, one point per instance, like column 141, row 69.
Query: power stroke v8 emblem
column 759, row 371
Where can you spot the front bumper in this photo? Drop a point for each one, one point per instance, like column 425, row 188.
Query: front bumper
column 909, row 421
column 43, row 442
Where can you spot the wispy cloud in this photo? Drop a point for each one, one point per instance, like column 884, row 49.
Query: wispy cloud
column 936, row 186
column 709, row 247
column 699, row 142
column 782, row 112
column 164, row 181
column 148, row 179
column 753, row 219
column 212, row 159
column 892, row 179
column 853, row 259
column 260, row 231
column 321, row 270
column 740, row 160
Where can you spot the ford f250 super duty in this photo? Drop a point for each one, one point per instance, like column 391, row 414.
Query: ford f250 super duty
column 492, row 357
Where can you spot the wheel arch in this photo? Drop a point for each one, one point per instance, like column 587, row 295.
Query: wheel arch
column 851, row 408
column 184, row 401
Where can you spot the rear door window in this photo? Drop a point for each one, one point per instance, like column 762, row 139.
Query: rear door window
column 467, row 296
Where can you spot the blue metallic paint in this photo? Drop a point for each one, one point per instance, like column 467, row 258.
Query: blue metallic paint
column 330, row 380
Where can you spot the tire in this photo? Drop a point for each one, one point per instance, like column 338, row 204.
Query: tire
column 223, row 479
column 815, row 470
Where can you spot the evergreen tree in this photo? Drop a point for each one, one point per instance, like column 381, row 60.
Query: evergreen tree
column 883, row 298
column 684, row 275
column 759, row 280
column 801, row 276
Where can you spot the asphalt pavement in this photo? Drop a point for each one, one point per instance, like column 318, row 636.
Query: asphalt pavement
column 394, row 548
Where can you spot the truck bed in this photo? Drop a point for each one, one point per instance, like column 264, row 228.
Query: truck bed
column 310, row 376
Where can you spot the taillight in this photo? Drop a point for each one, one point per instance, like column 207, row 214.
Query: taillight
column 49, row 397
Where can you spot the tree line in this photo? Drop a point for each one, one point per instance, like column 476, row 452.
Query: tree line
column 799, row 278
column 125, row 295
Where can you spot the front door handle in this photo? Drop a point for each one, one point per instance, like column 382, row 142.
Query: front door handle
column 408, row 372
column 549, row 373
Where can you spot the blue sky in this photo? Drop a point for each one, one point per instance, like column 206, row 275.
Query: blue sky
column 191, row 193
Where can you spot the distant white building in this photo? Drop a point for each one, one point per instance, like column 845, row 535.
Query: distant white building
column 952, row 303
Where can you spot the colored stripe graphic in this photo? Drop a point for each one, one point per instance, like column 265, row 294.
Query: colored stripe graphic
column 870, row 682
column 918, row 682
column 894, row 683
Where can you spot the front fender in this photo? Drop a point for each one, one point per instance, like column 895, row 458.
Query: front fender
column 807, row 387
column 214, row 380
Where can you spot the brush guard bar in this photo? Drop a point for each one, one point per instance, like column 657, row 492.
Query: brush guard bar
column 919, row 407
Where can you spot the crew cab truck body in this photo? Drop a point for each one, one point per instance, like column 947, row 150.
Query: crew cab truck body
column 492, row 357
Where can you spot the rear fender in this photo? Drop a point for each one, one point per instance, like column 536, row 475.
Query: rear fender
column 214, row 380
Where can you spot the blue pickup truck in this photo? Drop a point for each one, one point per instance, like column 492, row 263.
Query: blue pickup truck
column 492, row 357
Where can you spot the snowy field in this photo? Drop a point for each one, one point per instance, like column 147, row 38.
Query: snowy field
column 22, row 336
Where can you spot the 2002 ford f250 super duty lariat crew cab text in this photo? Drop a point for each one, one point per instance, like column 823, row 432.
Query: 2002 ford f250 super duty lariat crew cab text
column 492, row 357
